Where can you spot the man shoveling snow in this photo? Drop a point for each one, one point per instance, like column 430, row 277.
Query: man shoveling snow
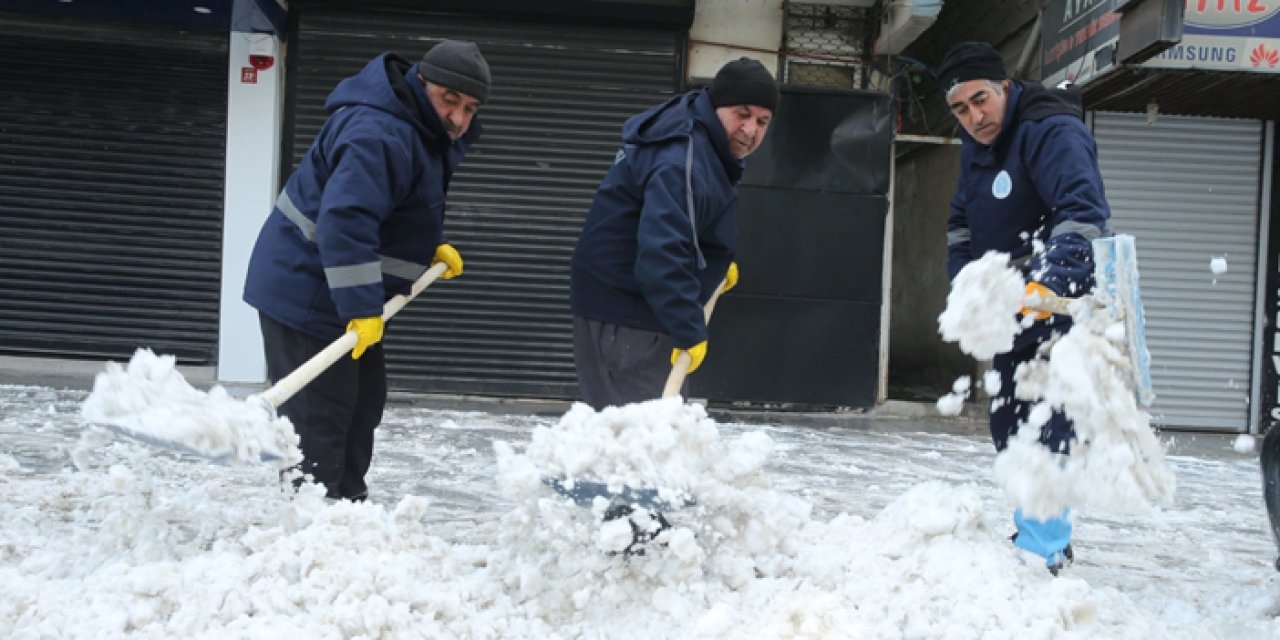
column 1031, row 189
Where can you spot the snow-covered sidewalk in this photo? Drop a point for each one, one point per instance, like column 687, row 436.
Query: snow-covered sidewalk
column 891, row 529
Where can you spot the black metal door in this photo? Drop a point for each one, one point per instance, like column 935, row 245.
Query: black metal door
column 516, row 206
column 803, row 327
column 112, row 147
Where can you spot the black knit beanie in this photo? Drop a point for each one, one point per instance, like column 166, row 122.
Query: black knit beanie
column 459, row 66
column 970, row 61
column 744, row 81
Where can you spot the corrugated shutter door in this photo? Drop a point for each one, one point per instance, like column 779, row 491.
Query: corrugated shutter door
column 111, row 178
column 1188, row 190
column 516, row 205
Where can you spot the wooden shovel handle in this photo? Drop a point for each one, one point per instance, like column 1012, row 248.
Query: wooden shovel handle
column 1048, row 302
column 680, row 369
column 289, row 385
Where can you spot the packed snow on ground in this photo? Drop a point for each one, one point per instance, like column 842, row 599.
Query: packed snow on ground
column 875, row 530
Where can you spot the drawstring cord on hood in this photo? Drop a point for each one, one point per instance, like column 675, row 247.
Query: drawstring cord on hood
column 688, row 192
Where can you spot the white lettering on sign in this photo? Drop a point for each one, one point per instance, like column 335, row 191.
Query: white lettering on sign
column 1072, row 9
column 1192, row 53
column 1229, row 14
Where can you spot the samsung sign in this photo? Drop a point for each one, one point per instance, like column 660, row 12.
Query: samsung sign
column 1227, row 35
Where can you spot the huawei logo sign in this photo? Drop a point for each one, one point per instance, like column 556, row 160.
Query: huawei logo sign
column 1262, row 55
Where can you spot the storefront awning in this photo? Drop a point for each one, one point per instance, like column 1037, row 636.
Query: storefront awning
column 1186, row 92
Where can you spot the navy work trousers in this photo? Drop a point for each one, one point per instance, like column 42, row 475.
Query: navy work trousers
column 617, row 365
column 335, row 415
column 1007, row 412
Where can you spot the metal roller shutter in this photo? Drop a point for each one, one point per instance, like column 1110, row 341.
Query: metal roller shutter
column 517, row 203
column 112, row 151
column 1188, row 190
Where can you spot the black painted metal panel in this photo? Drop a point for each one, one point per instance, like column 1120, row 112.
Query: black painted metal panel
column 826, row 140
column 790, row 352
column 112, row 145
column 803, row 326
column 810, row 244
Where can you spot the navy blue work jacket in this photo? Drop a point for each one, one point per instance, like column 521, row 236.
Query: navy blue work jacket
column 361, row 217
column 662, row 229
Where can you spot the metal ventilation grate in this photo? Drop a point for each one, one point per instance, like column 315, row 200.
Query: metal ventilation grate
column 826, row 46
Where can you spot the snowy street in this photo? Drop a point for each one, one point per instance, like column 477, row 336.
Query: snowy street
column 107, row 538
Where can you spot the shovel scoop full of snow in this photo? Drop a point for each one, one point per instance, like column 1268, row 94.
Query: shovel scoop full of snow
column 981, row 313
column 150, row 401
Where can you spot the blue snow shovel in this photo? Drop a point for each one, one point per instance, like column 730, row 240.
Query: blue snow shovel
column 1116, row 273
column 1117, row 294
column 584, row 492
column 268, row 401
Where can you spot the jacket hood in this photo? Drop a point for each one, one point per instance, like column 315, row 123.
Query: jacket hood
column 675, row 119
column 1039, row 102
column 670, row 120
column 384, row 84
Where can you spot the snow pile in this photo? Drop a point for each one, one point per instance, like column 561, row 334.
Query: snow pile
column 662, row 446
column 982, row 307
column 1116, row 462
column 150, row 400
column 746, row 561
column 150, row 547
column 190, row 565
column 127, row 559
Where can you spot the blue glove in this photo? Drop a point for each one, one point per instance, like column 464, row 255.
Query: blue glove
column 1045, row 538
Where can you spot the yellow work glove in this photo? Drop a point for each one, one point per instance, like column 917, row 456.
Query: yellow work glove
column 696, row 354
column 368, row 333
column 1036, row 289
column 731, row 277
column 447, row 254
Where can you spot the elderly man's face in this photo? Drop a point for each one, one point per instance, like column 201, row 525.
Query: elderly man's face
column 456, row 109
column 979, row 106
column 745, row 125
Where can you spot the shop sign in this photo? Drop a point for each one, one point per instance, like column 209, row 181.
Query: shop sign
column 1078, row 38
column 1226, row 35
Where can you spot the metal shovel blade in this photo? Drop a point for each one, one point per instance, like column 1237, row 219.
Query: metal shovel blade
column 584, row 492
column 224, row 458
